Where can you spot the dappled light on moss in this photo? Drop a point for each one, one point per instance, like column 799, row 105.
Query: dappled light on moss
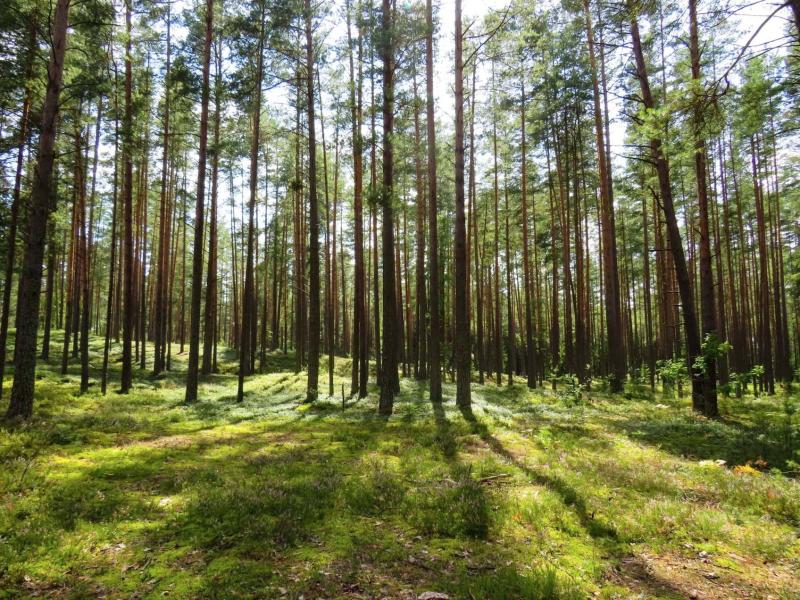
column 524, row 496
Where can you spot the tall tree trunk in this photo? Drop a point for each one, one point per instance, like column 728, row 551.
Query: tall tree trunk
column 159, row 358
column 479, row 344
column 143, row 209
column 461, row 344
column 22, row 138
column 555, row 336
column 30, row 281
column 509, row 288
column 673, row 233
column 615, row 350
column 94, row 291
column 389, row 382
column 72, row 270
column 199, row 215
column 498, row 326
column 48, row 309
column 434, row 360
column 764, row 331
column 376, row 306
column 263, row 330
column 420, row 330
column 333, row 341
column 313, row 221
column 248, row 301
column 360, row 350
column 113, row 251
column 211, row 305
column 327, row 330
column 707, row 306
column 82, row 267
column 648, row 305
column 530, row 349
column 127, row 203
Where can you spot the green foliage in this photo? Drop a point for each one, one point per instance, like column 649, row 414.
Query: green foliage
column 711, row 349
column 740, row 380
column 571, row 391
column 672, row 371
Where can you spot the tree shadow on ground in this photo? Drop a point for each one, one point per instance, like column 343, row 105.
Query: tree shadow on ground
column 691, row 436
column 569, row 496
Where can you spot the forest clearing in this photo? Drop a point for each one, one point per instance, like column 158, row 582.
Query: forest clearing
column 399, row 299
column 531, row 494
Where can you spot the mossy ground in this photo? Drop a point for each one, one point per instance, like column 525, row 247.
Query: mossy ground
column 529, row 495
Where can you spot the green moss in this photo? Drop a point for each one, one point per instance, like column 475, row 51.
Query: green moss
column 525, row 496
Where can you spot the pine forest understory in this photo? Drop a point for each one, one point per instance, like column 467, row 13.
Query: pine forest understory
column 414, row 299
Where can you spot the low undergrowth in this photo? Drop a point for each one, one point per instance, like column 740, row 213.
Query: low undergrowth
column 528, row 495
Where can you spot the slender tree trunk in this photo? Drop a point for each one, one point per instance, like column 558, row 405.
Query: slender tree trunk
column 582, row 347
column 40, row 206
column 615, row 349
column 479, row 344
column 530, row 349
column 648, row 305
column 359, row 347
column 143, row 208
column 72, row 294
column 313, row 221
column 333, row 341
column 197, row 256
column 276, row 304
column 389, row 382
column 673, row 233
column 707, row 306
column 719, row 280
column 113, row 251
column 327, row 330
column 434, row 360
column 555, row 336
column 159, row 357
column 263, row 331
column 420, row 329
column 22, row 138
column 462, row 333
column 376, row 305
column 81, row 276
column 85, row 289
column 211, row 305
column 248, row 301
column 509, row 295
column 48, row 310
column 127, row 218
column 764, row 332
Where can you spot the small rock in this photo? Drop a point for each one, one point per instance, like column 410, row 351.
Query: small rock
column 703, row 554
column 433, row 596
column 694, row 595
column 712, row 575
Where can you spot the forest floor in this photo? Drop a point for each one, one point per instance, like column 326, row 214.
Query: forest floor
column 529, row 495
